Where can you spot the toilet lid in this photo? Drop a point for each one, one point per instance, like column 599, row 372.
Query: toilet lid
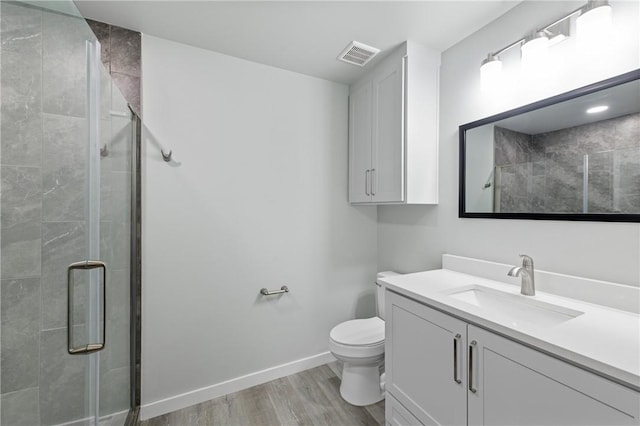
column 359, row 332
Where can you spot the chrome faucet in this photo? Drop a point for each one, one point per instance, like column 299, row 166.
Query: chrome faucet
column 527, row 286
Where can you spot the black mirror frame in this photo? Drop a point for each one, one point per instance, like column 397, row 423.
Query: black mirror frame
column 595, row 217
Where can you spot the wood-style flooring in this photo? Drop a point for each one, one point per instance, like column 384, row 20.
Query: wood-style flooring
column 311, row 397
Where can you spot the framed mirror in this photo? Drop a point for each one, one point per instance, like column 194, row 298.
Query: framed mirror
column 575, row 156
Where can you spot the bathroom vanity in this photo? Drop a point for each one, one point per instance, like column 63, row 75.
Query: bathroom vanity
column 462, row 348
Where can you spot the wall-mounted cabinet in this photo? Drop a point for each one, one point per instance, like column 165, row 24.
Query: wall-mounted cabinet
column 393, row 130
column 442, row 370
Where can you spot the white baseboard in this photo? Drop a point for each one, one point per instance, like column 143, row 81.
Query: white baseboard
column 163, row 406
column 113, row 419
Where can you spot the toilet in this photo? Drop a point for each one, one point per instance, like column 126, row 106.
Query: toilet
column 359, row 344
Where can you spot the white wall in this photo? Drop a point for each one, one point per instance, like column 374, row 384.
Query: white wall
column 412, row 238
column 258, row 199
column 479, row 164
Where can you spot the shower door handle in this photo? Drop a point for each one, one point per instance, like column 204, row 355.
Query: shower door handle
column 93, row 346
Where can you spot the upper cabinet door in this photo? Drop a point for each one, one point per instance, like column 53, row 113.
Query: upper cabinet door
column 516, row 385
column 394, row 148
column 360, row 143
column 388, row 133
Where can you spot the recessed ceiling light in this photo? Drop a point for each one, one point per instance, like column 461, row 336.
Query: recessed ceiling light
column 596, row 109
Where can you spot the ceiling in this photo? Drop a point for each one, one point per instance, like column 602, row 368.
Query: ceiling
column 621, row 100
column 300, row 36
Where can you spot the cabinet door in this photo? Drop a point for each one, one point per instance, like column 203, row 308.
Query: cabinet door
column 388, row 133
column 360, row 143
column 425, row 359
column 516, row 385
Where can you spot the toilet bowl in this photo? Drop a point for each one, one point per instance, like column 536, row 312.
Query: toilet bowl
column 359, row 344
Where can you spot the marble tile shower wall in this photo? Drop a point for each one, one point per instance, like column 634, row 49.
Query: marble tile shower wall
column 121, row 54
column 42, row 226
column 544, row 172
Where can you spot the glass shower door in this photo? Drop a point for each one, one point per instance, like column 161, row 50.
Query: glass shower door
column 117, row 171
column 65, row 161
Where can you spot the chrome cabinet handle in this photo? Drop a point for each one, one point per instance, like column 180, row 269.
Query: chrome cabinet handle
column 366, row 182
column 471, row 350
column 456, row 339
column 372, row 181
column 94, row 346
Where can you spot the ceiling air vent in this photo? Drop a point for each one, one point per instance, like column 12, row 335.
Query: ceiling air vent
column 357, row 53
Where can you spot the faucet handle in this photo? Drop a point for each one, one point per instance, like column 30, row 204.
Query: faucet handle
column 527, row 261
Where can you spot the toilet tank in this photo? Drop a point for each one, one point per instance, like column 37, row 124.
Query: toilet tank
column 380, row 291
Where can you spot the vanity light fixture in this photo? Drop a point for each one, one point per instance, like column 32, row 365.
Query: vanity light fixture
column 490, row 73
column 535, row 51
column 596, row 109
column 491, row 68
column 593, row 23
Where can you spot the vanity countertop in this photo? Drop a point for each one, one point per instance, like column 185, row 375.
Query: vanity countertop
column 602, row 339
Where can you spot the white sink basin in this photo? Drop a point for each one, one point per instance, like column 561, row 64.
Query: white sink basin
column 514, row 308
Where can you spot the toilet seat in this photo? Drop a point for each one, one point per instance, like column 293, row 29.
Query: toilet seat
column 359, row 332
column 358, row 339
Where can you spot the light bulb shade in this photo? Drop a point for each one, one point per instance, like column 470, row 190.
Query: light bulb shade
column 535, row 53
column 593, row 28
column 490, row 74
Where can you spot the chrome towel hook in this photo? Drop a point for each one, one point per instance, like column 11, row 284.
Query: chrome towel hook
column 166, row 157
column 265, row 292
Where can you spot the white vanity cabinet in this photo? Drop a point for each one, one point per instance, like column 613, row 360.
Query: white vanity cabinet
column 393, row 130
column 425, row 361
column 441, row 370
column 516, row 385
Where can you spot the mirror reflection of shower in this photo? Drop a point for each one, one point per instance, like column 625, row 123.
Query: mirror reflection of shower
column 582, row 169
column 578, row 156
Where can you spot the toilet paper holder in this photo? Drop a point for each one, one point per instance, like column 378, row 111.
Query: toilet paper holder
column 265, row 292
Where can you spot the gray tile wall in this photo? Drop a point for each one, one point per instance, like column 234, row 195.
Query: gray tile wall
column 512, row 155
column 545, row 172
column 42, row 224
column 121, row 55
column 20, row 218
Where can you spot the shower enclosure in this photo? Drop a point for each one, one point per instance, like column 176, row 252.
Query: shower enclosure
column 68, row 165
column 590, row 168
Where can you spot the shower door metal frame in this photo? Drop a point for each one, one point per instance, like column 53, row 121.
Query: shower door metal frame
column 135, row 271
